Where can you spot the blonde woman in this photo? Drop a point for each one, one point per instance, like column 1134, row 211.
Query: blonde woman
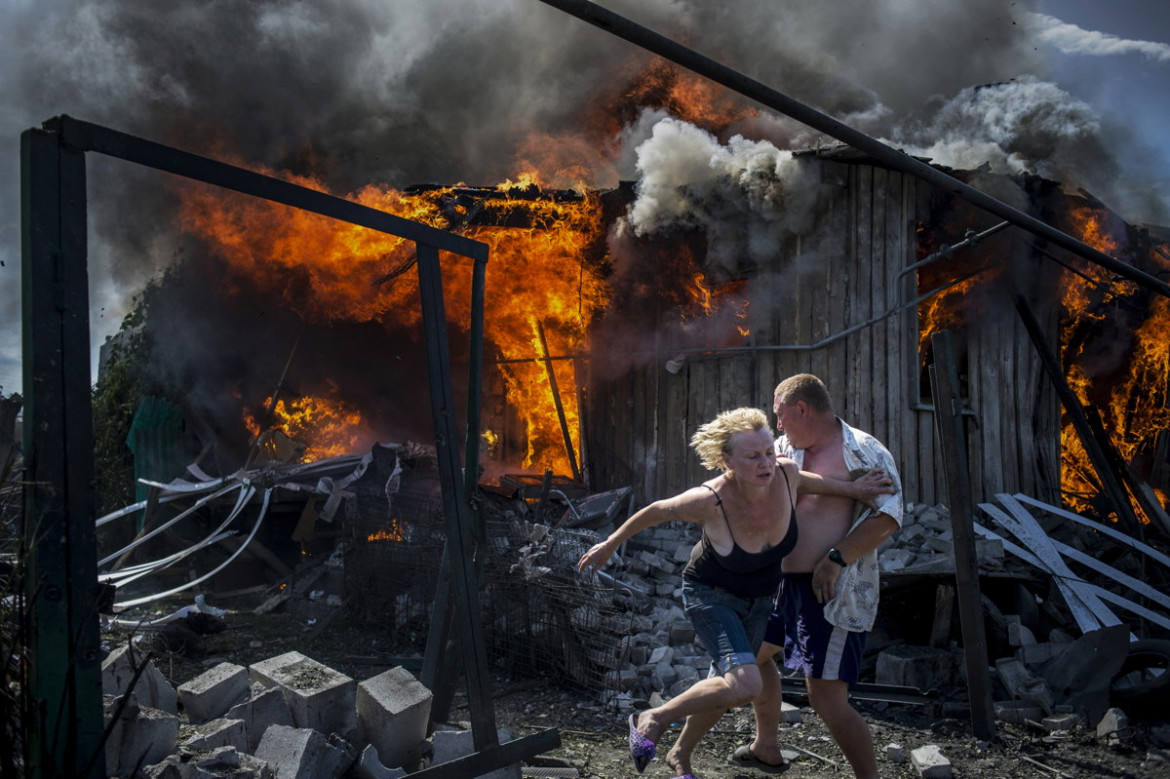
column 748, row 520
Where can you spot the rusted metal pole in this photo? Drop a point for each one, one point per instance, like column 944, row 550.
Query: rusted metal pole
column 899, row 160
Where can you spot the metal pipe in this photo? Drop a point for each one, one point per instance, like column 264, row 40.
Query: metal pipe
column 971, row 239
column 779, row 347
column 899, row 160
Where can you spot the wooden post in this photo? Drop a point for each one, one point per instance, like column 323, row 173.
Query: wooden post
column 948, row 410
column 556, row 395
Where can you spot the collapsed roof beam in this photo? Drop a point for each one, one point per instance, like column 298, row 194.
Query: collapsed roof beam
column 899, row 160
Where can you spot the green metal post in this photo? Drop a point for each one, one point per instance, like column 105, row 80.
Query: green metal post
column 63, row 702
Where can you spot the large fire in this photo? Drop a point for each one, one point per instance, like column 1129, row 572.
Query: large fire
column 330, row 271
column 1130, row 397
column 542, row 289
column 546, row 286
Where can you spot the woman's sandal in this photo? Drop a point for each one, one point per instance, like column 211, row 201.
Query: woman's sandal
column 641, row 748
column 743, row 756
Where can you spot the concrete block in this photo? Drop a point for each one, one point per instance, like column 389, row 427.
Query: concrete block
column 152, row 688
column 320, row 698
column 216, row 762
column 893, row 560
column 1020, row 634
column 662, row 654
column 1018, row 712
column 369, row 766
column 265, row 708
column 663, row 675
column 394, row 709
column 930, row 763
column 990, row 553
column 923, row 667
column 303, row 753
column 221, row 732
column 1112, row 723
column 451, row 744
column 213, row 692
column 790, row 714
column 681, row 633
column 141, row 736
column 1022, row 685
column 895, row 753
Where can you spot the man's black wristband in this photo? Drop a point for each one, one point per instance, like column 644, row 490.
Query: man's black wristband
column 835, row 556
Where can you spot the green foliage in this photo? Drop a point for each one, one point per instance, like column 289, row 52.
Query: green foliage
column 120, row 387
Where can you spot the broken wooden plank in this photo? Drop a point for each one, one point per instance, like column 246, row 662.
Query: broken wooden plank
column 1130, row 606
column 1082, row 614
column 1136, row 585
column 1042, row 545
column 1113, row 533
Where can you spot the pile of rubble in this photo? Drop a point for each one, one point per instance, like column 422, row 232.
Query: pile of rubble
column 288, row 716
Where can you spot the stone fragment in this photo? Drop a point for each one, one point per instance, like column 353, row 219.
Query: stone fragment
column 930, row 763
column 303, row 753
column 1114, row 722
column 921, row 667
column 452, row 744
column 265, row 708
column 152, row 688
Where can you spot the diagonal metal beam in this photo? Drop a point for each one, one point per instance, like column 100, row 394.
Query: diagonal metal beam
column 86, row 136
column 899, row 160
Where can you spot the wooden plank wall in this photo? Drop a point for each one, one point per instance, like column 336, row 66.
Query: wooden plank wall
column 842, row 274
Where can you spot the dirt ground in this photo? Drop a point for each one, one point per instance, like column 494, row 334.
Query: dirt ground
column 593, row 736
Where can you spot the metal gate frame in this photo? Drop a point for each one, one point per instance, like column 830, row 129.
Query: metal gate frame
column 62, row 684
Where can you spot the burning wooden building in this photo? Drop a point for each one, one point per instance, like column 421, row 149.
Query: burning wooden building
column 887, row 260
column 609, row 343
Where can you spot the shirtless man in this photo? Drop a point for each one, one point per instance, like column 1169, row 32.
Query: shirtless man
column 828, row 594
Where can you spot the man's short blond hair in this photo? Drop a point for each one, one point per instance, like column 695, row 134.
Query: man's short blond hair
column 713, row 439
column 806, row 387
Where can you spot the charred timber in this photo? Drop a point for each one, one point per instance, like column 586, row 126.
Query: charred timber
column 688, row 58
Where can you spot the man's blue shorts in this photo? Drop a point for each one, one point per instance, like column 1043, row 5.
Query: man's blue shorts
column 812, row 646
column 731, row 627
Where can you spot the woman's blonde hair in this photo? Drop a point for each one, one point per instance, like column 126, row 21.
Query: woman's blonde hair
column 713, row 439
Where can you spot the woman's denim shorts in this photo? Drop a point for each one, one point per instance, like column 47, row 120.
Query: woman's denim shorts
column 731, row 627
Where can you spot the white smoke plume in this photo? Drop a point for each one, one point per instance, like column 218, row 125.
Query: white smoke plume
column 747, row 196
column 1071, row 39
column 1024, row 125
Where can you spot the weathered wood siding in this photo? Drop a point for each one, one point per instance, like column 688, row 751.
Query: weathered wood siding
column 841, row 275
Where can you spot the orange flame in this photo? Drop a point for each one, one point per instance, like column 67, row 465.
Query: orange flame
column 329, row 426
column 395, row 532
column 1132, row 399
column 332, row 271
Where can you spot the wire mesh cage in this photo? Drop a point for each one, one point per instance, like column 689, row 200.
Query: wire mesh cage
column 540, row 616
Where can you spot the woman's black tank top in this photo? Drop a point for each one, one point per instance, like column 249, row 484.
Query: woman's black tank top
column 746, row 574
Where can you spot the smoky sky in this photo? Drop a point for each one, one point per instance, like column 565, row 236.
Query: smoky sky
column 401, row 92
